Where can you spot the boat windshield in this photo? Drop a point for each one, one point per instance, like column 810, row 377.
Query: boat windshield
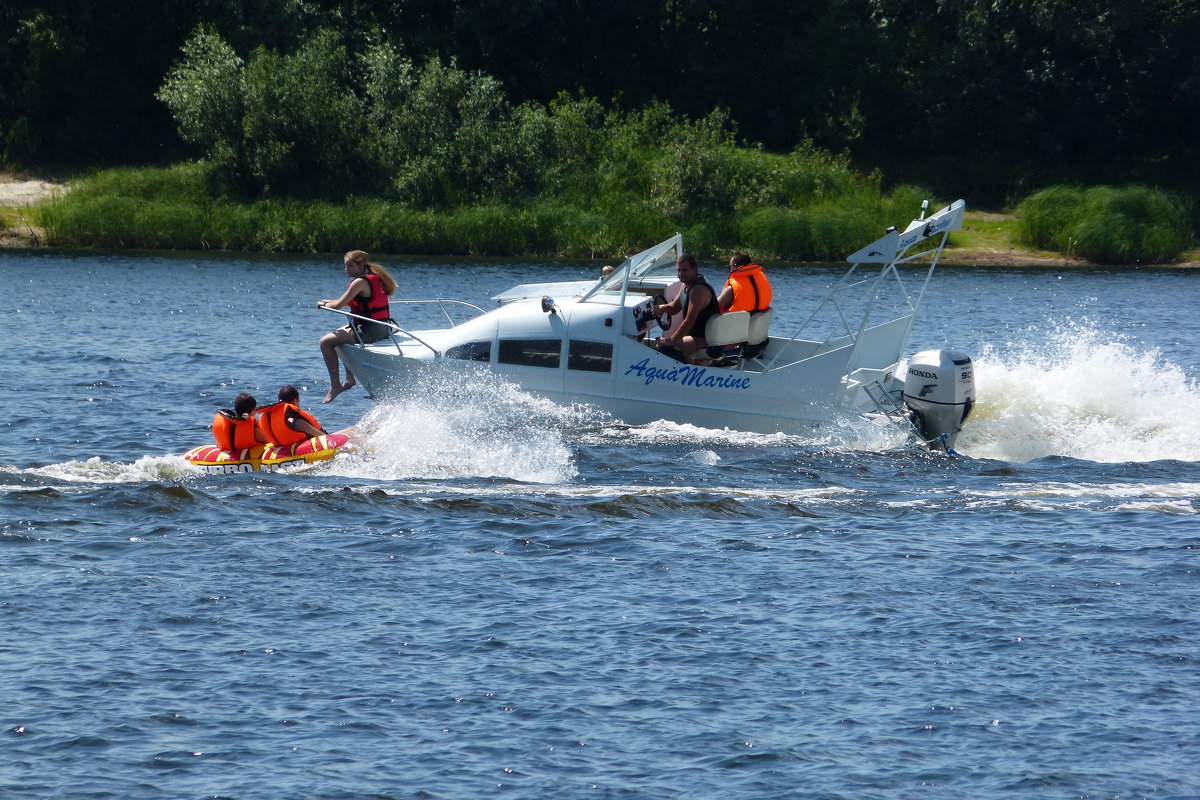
column 653, row 268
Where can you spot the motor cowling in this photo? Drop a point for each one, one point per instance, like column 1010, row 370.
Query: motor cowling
column 939, row 390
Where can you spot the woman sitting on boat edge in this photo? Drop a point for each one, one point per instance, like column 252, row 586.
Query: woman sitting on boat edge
column 367, row 295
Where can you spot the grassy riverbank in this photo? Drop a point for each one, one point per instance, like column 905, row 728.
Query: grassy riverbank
column 832, row 211
column 987, row 238
column 995, row 239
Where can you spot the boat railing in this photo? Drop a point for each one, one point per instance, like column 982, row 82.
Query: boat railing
column 441, row 303
column 391, row 323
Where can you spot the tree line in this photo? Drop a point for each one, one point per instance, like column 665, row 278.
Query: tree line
column 986, row 98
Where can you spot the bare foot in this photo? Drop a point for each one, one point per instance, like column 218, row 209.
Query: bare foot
column 334, row 391
column 348, row 385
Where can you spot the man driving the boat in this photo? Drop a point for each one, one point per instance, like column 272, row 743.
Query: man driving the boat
column 695, row 303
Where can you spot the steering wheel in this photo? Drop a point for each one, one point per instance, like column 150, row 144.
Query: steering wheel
column 662, row 318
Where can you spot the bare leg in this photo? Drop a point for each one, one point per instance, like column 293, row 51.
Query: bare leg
column 694, row 347
column 329, row 345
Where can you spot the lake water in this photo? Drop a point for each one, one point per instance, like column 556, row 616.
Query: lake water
column 501, row 598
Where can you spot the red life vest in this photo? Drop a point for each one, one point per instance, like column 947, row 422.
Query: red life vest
column 751, row 289
column 376, row 306
column 273, row 423
column 233, row 432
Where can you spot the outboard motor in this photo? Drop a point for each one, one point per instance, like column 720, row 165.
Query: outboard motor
column 939, row 390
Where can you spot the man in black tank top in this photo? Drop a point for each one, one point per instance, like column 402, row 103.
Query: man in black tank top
column 695, row 303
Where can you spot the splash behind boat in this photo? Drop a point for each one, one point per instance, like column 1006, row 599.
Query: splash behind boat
column 586, row 342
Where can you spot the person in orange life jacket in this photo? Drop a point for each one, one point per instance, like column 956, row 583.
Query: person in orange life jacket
column 236, row 429
column 694, row 305
column 285, row 423
column 747, row 288
column 367, row 295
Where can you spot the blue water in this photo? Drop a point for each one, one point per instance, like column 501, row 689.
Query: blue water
column 496, row 597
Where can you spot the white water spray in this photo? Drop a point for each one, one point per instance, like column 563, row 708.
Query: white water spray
column 1077, row 392
column 94, row 470
column 447, row 427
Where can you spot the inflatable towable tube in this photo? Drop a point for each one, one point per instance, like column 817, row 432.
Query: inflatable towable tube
column 216, row 461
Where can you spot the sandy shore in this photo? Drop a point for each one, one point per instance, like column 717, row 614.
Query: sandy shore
column 16, row 194
column 20, row 192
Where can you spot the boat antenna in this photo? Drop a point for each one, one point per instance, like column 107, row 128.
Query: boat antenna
column 924, row 208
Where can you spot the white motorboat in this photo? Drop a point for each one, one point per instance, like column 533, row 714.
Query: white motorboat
column 592, row 342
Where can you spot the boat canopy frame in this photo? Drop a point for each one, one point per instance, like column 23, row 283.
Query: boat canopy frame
column 925, row 237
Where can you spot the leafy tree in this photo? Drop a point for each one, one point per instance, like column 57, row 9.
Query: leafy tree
column 990, row 97
column 206, row 95
column 78, row 77
column 303, row 121
column 442, row 135
column 1019, row 94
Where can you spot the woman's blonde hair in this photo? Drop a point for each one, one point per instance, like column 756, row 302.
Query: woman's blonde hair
column 385, row 277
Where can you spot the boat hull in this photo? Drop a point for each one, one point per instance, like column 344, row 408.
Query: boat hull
column 644, row 386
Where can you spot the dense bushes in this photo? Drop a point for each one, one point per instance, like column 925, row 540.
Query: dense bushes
column 315, row 151
column 319, row 149
column 317, row 124
column 1107, row 225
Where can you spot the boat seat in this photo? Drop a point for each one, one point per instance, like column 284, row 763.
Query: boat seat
column 732, row 327
column 756, row 341
column 725, row 330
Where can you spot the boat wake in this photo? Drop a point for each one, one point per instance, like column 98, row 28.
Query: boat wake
column 1078, row 392
column 446, row 428
column 97, row 471
column 847, row 432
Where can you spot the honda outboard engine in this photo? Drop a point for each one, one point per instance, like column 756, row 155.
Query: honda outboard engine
column 939, row 390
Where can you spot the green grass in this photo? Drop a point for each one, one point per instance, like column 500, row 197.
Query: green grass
column 1108, row 225
column 172, row 208
column 984, row 231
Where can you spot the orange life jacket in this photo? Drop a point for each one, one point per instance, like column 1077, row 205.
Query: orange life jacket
column 273, row 423
column 233, row 432
column 376, row 306
column 751, row 289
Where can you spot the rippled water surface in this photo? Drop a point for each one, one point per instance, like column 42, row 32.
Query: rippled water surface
column 498, row 597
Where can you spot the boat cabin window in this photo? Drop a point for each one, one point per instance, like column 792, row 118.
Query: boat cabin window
column 589, row 356
column 471, row 351
column 531, row 352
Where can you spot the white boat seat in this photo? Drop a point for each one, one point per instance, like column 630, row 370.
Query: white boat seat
column 725, row 334
column 756, row 341
column 759, row 322
column 732, row 327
